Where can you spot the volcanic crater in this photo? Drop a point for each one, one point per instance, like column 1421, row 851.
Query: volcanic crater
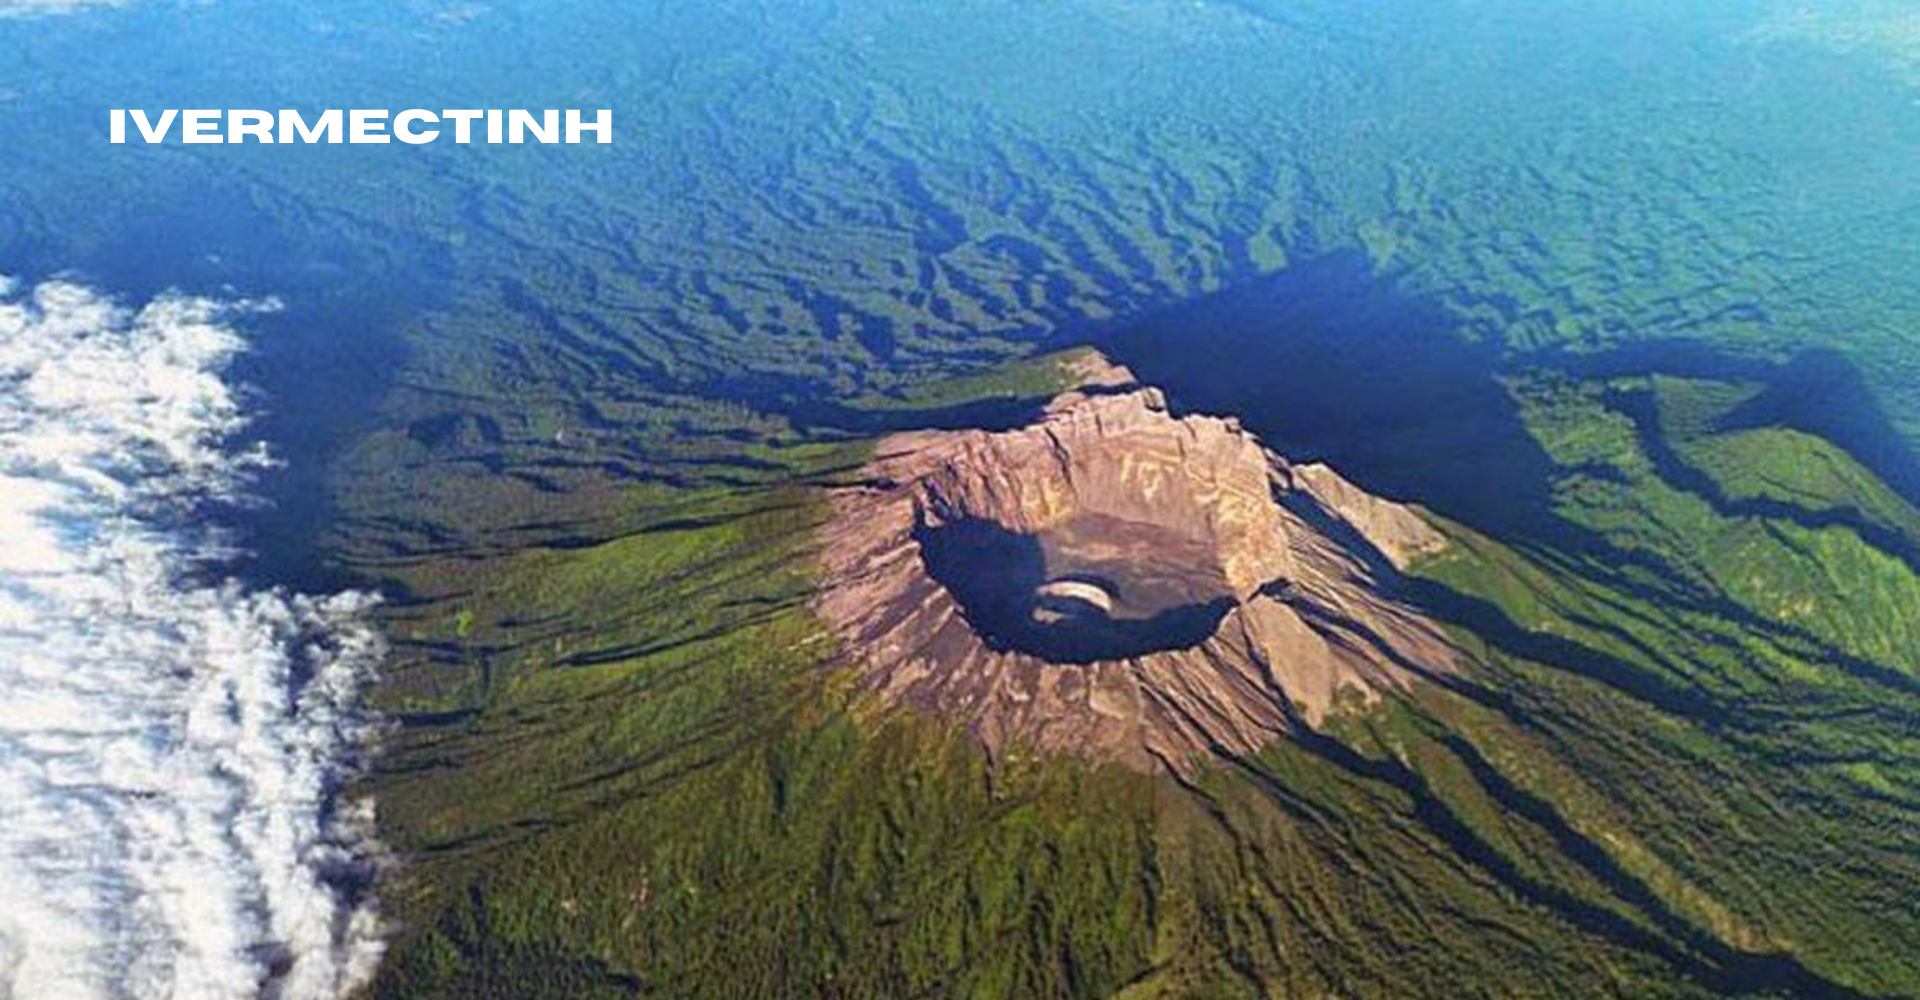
column 1119, row 581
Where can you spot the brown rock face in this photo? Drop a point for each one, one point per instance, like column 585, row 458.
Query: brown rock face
column 1116, row 581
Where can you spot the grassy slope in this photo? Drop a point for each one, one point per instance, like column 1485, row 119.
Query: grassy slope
column 1766, row 751
column 626, row 773
column 1721, row 716
column 640, row 778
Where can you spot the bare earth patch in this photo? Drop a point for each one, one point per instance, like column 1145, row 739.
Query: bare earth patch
column 1117, row 581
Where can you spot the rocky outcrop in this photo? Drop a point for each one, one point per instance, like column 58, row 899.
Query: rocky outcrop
column 1118, row 581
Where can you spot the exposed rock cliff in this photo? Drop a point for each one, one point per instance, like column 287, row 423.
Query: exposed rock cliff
column 1117, row 581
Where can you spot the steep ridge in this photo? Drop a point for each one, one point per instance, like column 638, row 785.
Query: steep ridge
column 1117, row 580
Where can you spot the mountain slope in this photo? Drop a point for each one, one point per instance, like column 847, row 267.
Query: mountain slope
column 1680, row 767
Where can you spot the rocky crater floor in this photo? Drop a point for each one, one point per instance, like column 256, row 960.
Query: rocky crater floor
column 1119, row 581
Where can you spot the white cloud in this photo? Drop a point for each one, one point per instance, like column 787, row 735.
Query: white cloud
column 41, row 8
column 1887, row 29
column 169, row 747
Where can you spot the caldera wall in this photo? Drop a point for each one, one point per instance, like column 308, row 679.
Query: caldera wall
column 1118, row 581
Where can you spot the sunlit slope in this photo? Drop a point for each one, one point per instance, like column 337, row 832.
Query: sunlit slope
column 576, row 396
column 1682, row 766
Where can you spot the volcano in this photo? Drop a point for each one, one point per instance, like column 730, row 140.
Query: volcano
column 1123, row 582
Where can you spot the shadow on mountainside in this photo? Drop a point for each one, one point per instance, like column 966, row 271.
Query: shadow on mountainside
column 1330, row 361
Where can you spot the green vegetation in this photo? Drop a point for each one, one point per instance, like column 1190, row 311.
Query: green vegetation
column 1682, row 767
column 831, row 198
column 570, row 405
column 634, row 774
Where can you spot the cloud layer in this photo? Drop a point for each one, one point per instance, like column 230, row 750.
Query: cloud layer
column 36, row 8
column 169, row 743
